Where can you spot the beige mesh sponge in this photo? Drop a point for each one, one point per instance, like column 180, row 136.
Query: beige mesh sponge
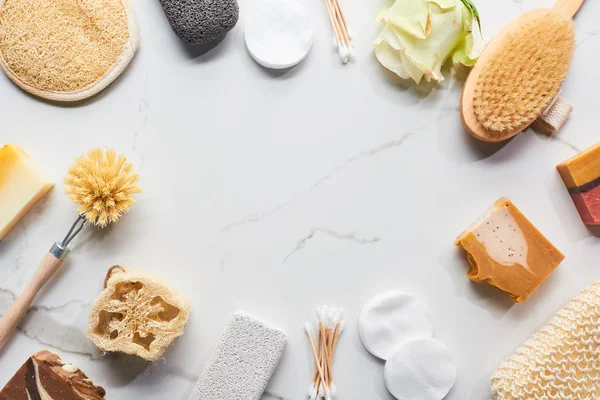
column 65, row 50
column 524, row 73
column 560, row 362
column 137, row 314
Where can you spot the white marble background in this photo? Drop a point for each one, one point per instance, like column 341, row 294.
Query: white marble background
column 272, row 193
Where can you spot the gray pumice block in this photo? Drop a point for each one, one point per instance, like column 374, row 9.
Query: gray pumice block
column 242, row 364
column 201, row 21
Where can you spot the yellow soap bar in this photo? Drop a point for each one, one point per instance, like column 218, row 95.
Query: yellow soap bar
column 505, row 250
column 22, row 184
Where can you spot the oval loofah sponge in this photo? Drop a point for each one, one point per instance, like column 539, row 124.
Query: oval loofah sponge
column 524, row 73
column 560, row 362
column 136, row 313
column 65, row 50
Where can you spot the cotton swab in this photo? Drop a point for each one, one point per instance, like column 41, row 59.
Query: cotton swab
column 342, row 40
column 308, row 328
column 327, row 331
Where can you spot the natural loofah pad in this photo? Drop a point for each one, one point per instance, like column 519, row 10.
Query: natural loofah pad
column 136, row 313
column 525, row 73
column 560, row 362
column 65, row 50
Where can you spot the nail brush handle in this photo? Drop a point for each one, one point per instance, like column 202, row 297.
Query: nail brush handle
column 49, row 265
column 567, row 7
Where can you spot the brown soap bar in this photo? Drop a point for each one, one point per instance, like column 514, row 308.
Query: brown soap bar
column 505, row 250
column 581, row 175
column 45, row 376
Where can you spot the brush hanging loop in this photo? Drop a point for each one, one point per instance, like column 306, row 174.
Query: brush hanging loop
column 77, row 226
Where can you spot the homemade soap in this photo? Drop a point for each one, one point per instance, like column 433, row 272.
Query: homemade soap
column 505, row 250
column 581, row 175
column 22, row 184
column 243, row 362
column 45, row 376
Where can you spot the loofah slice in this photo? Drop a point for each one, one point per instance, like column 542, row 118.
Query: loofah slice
column 524, row 72
column 136, row 313
column 66, row 50
column 560, row 362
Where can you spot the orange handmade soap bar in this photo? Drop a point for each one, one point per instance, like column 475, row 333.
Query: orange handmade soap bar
column 581, row 175
column 505, row 250
column 22, row 184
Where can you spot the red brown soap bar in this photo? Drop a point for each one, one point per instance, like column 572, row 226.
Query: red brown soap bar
column 581, row 175
column 505, row 250
column 45, row 376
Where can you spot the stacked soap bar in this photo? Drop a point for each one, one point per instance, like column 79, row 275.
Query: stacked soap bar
column 45, row 376
column 22, row 184
column 505, row 250
column 581, row 175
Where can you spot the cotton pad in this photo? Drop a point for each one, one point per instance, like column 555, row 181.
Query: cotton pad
column 422, row 369
column 278, row 33
column 243, row 362
column 390, row 319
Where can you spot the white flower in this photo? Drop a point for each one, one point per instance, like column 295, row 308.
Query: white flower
column 420, row 35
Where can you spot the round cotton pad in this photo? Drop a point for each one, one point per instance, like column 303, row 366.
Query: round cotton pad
column 390, row 319
column 65, row 50
column 278, row 33
column 421, row 369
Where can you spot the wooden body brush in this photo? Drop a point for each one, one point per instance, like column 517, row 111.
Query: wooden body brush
column 519, row 74
column 102, row 184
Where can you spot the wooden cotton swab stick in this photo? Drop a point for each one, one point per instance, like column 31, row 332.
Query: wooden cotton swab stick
column 343, row 18
column 316, row 376
column 340, row 30
column 345, row 32
column 327, row 331
column 340, row 20
column 336, row 32
column 314, row 349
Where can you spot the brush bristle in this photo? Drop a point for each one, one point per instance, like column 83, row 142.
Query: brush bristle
column 102, row 184
column 524, row 73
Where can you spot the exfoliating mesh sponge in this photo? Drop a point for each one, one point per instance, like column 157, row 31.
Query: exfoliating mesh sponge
column 137, row 314
column 65, row 49
column 201, row 21
column 525, row 73
column 562, row 361
column 242, row 364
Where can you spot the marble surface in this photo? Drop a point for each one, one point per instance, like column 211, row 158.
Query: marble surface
column 274, row 192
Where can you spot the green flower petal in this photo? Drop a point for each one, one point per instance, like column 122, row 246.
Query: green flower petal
column 420, row 35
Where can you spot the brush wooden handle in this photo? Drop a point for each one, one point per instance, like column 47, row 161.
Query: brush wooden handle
column 567, row 7
column 9, row 322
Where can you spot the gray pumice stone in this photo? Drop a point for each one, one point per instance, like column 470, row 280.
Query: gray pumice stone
column 201, row 21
